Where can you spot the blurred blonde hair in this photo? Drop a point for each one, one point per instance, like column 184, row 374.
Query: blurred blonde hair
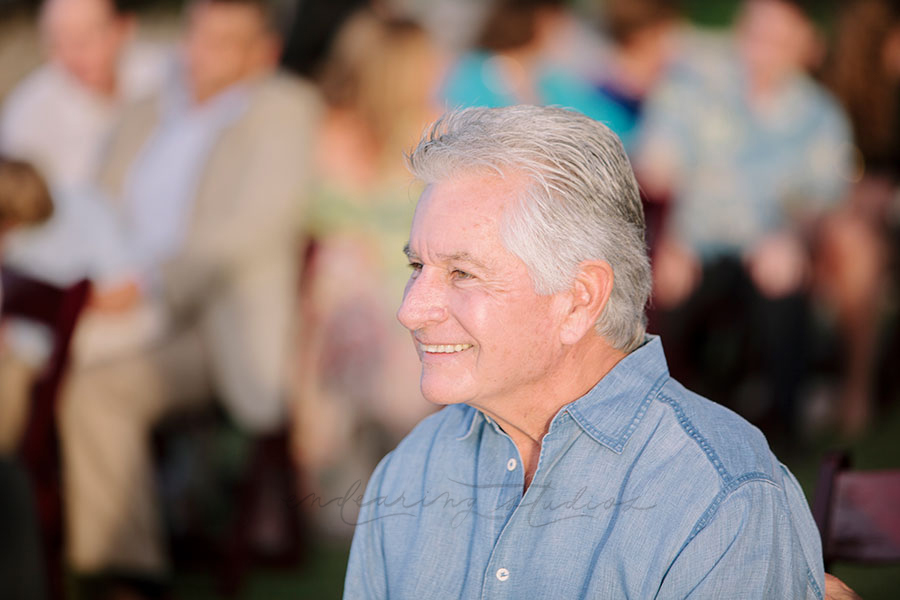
column 24, row 196
column 378, row 68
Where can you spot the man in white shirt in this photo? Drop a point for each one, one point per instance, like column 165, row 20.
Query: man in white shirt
column 59, row 117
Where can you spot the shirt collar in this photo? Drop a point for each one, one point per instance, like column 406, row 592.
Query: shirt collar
column 471, row 420
column 612, row 409
column 223, row 107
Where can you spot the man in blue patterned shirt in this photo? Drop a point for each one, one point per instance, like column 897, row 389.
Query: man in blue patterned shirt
column 567, row 463
column 752, row 153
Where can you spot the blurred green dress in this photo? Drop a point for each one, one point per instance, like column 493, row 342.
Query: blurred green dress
column 362, row 371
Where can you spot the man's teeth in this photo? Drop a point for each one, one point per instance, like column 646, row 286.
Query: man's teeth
column 445, row 348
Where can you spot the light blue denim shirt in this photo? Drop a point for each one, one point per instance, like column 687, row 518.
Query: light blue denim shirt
column 643, row 490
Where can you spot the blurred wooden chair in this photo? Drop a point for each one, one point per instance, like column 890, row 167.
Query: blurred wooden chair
column 58, row 309
column 857, row 512
column 229, row 498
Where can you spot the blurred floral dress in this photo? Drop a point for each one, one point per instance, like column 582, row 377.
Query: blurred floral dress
column 360, row 377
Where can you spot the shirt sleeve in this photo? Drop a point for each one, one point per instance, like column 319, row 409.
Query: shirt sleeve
column 758, row 541
column 108, row 259
column 14, row 120
column 366, row 576
column 828, row 158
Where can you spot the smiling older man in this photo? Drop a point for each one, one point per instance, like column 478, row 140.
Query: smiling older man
column 567, row 463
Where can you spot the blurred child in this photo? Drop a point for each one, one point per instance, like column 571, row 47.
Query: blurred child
column 24, row 200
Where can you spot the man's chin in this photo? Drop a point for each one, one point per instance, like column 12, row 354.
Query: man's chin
column 442, row 400
column 442, row 395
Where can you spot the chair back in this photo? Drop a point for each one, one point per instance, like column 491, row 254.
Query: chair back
column 858, row 513
column 57, row 309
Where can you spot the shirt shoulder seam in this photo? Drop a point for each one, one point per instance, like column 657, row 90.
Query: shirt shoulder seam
column 727, row 490
column 691, row 430
column 618, row 444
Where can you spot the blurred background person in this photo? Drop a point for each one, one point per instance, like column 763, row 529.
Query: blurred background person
column 313, row 28
column 752, row 153
column 358, row 374
column 60, row 116
column 514, row 62
column 208, row 178
column 864, row 74
column 644, row 36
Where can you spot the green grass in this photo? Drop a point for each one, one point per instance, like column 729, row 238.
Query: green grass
column 320, row 577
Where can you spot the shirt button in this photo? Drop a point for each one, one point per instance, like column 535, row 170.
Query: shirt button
column 511, row 464
column 502, row 574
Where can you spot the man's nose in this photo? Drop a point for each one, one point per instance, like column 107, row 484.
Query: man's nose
column 424, row 301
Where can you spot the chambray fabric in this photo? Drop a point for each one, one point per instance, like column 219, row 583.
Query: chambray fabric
column 643, row 490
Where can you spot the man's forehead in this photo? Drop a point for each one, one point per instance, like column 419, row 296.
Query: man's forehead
column 242, row 17
column 60, row 13
column 459, row 218
column 477, row 194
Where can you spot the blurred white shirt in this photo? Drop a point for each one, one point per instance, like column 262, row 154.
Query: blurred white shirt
column 162, row 182
column 58, row 125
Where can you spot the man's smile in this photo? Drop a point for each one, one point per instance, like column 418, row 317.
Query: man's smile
column 443, row 348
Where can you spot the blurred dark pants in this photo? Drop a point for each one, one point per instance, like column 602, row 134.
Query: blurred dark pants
column 727, row 331
column 21, row 567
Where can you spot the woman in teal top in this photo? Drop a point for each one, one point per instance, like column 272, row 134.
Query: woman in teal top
column 510, row 66
column 480, row 79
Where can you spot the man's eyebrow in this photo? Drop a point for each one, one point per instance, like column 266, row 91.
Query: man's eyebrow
column 462, row 257
column 455, row 257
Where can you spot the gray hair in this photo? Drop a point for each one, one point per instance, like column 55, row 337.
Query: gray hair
column 583, row 203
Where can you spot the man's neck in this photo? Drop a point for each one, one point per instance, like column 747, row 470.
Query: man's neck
column 106, row 90
column 526, row 419
column 109, row 90
column 201, row 96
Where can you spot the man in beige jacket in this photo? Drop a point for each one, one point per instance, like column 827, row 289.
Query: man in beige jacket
column 208, row 179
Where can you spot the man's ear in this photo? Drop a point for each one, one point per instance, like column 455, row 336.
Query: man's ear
column 588, row 295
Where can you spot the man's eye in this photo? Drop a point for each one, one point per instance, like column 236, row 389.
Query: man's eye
column 457, row 274
column 415, row 267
